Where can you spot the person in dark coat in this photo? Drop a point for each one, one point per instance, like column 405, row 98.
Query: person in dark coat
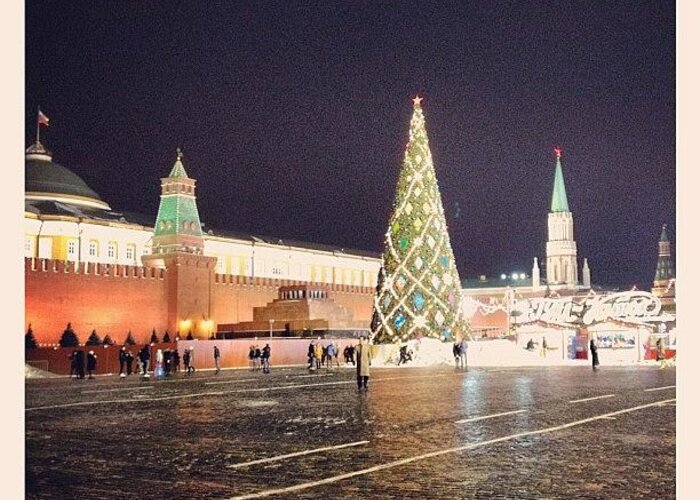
column 91, row 363
column 167, row 361
column 80, row 363
column 251, row 358
column 73, row 364
column 176, row 361
column 145, row 356
column 256, row 358
column 217, row 359
column 122, row 362
column 265, row 357
column 186, row 361
column 311, row 355
column 129, row 363
column 594, row 355
column 351, row 355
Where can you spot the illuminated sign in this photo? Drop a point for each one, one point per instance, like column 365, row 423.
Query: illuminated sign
column 633, row 305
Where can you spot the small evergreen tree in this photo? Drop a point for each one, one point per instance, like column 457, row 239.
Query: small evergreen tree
column 69, row 338
column 93, row 339
column 107, row 340
column 189, row 336
column 129, row 339
column 154, row 337
column 30, row 340
column 166, row 337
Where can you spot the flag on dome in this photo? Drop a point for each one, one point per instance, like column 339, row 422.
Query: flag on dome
column 42, row 119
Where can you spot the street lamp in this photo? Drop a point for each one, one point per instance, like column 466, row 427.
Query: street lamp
column 272, row 321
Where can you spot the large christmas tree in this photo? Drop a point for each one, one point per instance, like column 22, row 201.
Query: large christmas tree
column 420, row 294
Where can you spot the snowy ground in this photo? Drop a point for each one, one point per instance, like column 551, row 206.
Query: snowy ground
column 31, row 372
column 432, row 352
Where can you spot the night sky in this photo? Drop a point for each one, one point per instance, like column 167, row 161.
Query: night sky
column 294, row 115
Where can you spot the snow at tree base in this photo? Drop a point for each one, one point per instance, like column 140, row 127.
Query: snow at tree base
column 419, row 291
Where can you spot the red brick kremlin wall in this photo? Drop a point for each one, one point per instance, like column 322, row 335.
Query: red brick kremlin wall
column 114, row 299
column 111, row 299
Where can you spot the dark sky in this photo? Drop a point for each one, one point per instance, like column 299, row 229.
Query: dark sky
column 293, row 116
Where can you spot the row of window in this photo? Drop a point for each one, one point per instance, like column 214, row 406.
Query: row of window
column 187, row 225
column 93, row 250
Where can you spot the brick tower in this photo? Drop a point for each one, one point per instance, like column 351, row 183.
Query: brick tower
column 178, row 247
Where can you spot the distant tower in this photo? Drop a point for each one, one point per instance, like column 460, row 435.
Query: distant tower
column 586, row 271
column 664, row 280
column 561, row 247
column 535, row 274
column 178, row 246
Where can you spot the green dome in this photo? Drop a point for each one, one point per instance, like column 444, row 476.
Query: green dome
column 46, row 180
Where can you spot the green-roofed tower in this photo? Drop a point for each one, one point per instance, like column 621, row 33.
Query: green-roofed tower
column 177, row 226
column 178, row 247
column 562, row 268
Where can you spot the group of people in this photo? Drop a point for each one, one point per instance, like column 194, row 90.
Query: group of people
column 459, row 351
column 320, row 355
column 167, row 362
column 79, row 362
column 259, row 358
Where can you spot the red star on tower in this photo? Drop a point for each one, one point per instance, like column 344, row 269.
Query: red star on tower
column 417, row 100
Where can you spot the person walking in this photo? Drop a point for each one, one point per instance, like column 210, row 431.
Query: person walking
column 455, row 353
column 80, row 363
column 145, row 357
column 318, row 354
column 256, row 358
column 129, row 362
column 544, row 347
column 336, row 351
column 158, row 371
column 251, row 358
column 176, row 361
column 364, row 360
column 91, row 363
column 265, row 356
column 191, row 368
column 217, row 360
column 122, row 362
column 330, row 355
column 594, row 355
column 186, row 361
column 463, row 346
column 73, row 364
column 312, row 355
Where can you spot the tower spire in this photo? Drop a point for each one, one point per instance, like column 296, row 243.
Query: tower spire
column 559, row 200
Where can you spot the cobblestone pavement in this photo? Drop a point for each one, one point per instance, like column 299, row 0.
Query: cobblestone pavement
column 520, row 433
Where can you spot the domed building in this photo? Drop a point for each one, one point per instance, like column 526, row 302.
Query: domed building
column 118, row 272
column 48, row 181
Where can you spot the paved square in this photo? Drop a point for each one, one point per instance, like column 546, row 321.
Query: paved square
column 525, row 433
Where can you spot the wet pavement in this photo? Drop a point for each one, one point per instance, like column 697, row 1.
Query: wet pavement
column 514, row 433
